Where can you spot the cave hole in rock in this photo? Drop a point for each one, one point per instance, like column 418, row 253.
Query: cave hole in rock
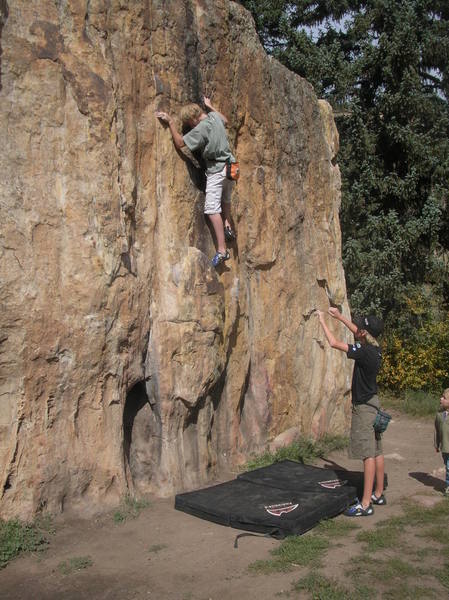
column 141, row 437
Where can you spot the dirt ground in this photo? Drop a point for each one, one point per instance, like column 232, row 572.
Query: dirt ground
column 165, row 554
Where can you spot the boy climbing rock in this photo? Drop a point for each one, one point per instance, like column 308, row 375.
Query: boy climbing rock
column 208, row 135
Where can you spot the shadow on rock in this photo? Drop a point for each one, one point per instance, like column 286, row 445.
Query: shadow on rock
column 4, row 12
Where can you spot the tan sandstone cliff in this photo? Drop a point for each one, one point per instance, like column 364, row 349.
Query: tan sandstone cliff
column 127, row 363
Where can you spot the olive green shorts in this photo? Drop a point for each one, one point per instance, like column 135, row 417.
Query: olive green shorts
column 363, row 443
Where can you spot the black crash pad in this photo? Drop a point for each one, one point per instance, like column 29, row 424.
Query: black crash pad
column 282, row 499
column 308, row 476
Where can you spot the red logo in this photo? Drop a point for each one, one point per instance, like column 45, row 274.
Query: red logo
column 278, row 509
column 332, row 484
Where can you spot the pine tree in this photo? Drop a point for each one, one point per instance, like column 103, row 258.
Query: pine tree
column 383, row 65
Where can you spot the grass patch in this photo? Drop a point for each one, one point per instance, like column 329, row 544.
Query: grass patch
column 424, row 553
column 415, row 403
column 157, row 548
column 443, row 576
column 420, row 515
column 304, row 550
column 130, row 508
column 392, row 574
column 304, row 450
column 402, row 591
column 438, row 534
column 398, row 577
column 45, row 523
column 380, row 538
column 395, row 567
column 17, row 537
column 333, row 528
column 77, row 563
column 387, row 533
column 293, row 552
column 323, row 588
column 301, row 550
column 265, row 567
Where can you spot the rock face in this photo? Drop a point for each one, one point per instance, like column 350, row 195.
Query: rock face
column 128, row 364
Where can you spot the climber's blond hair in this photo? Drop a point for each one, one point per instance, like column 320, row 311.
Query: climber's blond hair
column 189, row 112
column 371, row 339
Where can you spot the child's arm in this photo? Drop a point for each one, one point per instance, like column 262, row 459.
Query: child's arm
column 334, row 343
column 437, row 437
column 177, row 137
column 208, row 104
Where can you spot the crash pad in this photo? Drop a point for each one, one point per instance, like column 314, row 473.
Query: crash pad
column 282, row 499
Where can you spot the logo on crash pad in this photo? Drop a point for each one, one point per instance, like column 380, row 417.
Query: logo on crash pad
column 278, row 509
column 332, row 484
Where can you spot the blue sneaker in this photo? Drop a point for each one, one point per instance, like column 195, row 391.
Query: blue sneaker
column 357, row 510
column 220, row 257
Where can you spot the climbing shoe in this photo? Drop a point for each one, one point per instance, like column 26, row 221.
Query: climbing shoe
column 381, row 500
column 358, row 511
column 229, row 234
column 220, row 257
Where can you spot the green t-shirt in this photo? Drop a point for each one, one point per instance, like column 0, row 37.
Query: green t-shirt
column 209, row 136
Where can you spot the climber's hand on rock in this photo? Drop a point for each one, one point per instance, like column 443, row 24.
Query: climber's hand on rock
column 319, row 314
column 162, row 116
column 208, row 103
column 334, row 312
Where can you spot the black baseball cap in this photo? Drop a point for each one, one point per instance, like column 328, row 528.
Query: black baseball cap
column 371, row 324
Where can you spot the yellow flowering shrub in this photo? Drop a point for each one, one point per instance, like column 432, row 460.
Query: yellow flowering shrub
column 420, row 362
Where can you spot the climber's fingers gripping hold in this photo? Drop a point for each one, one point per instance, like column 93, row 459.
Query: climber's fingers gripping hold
column 162, row 116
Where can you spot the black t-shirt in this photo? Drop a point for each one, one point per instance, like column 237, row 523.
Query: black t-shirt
column 367, row 364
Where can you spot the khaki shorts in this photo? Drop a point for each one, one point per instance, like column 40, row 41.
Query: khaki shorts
column 218, row 189
column 363, row 443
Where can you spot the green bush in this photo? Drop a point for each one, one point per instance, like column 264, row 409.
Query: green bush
column 416, row 403
column 304, row 450
column 17, row 537
column 130, row 508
